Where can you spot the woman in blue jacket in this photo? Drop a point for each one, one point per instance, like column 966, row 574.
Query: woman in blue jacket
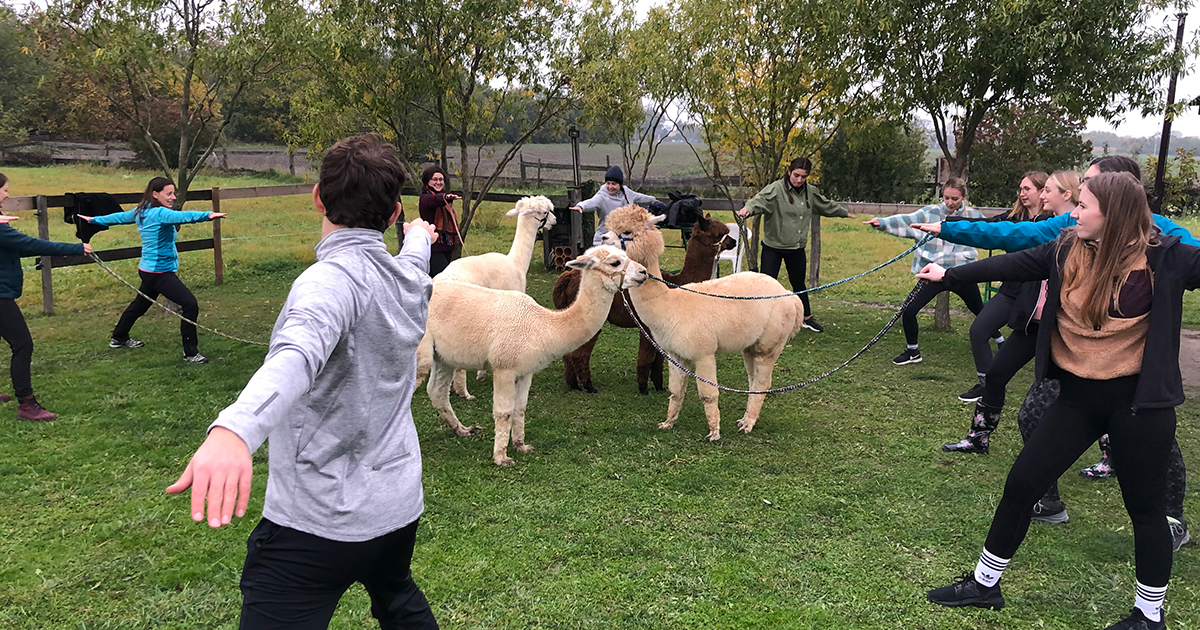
column 14, row 245
column 158, row 225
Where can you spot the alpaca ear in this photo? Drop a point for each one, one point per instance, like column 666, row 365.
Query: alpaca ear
column 512, row 213
column 655, row 219
column 581, row 263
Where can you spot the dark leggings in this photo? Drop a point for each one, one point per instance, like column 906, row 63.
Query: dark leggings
column 930, row 290
column 14, row 330
column 1141, row 441
column 987, row 324
column 1043, row 393
column 797, row 267
column 438, row 261
column 169, row 286
column 1017, row 351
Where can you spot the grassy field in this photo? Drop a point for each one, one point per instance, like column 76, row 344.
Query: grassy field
column 839, row 510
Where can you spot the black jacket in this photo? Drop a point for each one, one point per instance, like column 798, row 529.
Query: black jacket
column 14, row 245
column 1011, row 289
column 1176, row 269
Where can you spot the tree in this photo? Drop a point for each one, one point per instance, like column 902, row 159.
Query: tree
column 771, row 80
column 19, row 74
column 958, row 61
column 877, row 160
column 1016, row 139
column 198, row 55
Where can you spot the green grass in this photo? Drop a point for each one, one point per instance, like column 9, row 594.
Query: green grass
column 837, row 511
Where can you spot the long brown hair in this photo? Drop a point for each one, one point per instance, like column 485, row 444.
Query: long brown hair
column 1021, row 213
column 1100, row 267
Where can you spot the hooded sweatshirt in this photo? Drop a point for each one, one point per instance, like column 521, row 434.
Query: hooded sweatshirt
column 603, row 203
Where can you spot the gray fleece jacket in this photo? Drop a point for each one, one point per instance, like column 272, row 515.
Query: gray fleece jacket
column 333, row 394
column 603, row 203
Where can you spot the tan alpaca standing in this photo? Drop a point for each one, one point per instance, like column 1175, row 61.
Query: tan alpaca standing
column 494, row 271
column 695, row 328
column 507, row 332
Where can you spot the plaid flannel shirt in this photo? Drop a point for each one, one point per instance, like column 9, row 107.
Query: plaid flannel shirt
column 944, row 253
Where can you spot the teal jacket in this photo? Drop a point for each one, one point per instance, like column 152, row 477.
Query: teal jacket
column 14, row 245
column 158, row 227
column 1013, row 237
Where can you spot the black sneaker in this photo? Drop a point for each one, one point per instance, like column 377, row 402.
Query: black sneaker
column 967, row 592
column 811, row 324
column 1179, row 533
column 975, row 394
column 128, row 343
column 1137, row 621
column 908, row 356
column 1051, row 511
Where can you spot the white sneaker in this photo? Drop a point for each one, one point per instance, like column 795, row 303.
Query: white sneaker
column 128, row 343
column 196, row 358
column 1179, row 533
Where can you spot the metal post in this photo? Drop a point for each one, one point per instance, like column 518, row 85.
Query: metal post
column 218, row 260
column 43, row 218
column 575, row 194
column 1165, row 142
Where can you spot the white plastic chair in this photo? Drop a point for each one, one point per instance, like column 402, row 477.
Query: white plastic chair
column 735, row 255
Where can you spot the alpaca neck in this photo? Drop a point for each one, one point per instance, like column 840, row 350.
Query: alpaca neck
column 579, row 322
column 649, row 290
column 522, row 245
column 697, row 264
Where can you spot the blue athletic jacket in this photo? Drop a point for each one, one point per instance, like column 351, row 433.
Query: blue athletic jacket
column 1012, row 237
column 157, row 226
column 14, row 245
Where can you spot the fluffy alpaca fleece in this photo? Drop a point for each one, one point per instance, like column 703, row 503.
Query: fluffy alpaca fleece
column 507, row 332
column 709, row 238
column 494, row 271
column 695, row 328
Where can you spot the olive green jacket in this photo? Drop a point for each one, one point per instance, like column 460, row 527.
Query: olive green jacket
column 786, row 217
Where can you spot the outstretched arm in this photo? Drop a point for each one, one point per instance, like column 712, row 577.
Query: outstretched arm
column 1007, row 235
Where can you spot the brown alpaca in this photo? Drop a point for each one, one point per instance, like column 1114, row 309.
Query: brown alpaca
column 709, row 238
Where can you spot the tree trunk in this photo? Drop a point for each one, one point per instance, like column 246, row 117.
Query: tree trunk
column 941, row 312
column 814, row 253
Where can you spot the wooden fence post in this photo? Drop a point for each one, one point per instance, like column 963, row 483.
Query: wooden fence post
column 814, row 260
column 941, row 312
column 218, row 261
column 43, row 217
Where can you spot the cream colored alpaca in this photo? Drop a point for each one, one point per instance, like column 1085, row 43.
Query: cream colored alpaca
column 494, row 271
column 507, row 332
column 695, row 328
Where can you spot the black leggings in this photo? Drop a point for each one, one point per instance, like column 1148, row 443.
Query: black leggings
column 294, row 580
column 1043, row 393
column 987, row 324
column 1141, row 442
column 797, row 267
column 14, row 330
column 169, row 286
column 1017, row 351
column 438, row 262
column 930, row 290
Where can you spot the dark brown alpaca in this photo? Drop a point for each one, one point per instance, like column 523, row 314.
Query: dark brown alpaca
column 709, row 238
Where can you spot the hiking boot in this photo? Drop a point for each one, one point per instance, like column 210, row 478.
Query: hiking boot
column 1052, row 511
column 195, row 358
column 967, row 592
column 33, row 412
column 1100, row 470
column 985, row 420
column 1138, row 621
column 975, row 394
column 811, row 324
column 908, row 356
column 128, row 343
column 1179, row 533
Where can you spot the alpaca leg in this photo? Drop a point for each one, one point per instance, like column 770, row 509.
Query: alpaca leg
column 424, row 358
column 503, row 398
column 677, row 380
column 480, row 375
column 458, row 385
column 645, row 365
column 764, row 366
column 438, row 389
column 518, row 417
column 656, row 372
column 706, row 368
column 571, row 370
column 583, row 363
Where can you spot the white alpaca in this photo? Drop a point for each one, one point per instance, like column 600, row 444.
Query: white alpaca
column 494, row 271
column 507, row 332
column 695, row 328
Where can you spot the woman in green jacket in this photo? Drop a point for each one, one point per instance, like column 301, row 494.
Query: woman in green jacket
column 786, row 206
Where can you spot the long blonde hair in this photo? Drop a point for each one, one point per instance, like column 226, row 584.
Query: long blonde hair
column 1021, row 213
column 1066, row 181
column 1101, row 267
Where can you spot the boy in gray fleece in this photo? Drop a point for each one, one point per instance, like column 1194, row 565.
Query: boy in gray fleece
column 332, row 397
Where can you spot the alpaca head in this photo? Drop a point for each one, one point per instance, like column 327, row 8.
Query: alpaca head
column 615, row 268
column 711, row 235
column 635, row 230
column 539, row 208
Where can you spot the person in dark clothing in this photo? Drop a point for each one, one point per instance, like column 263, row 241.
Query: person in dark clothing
column 158, row 224
column 437, row 209
column 1110, row 335
column 14, row 245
